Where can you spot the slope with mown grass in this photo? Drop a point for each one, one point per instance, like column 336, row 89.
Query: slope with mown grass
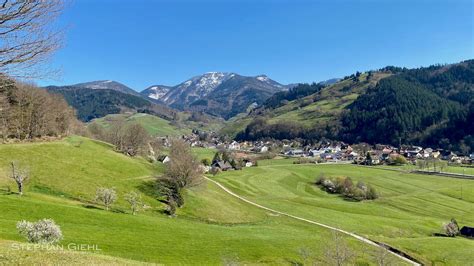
column 154, row 125
column 212, row 226
column 411, row 207
column 320, row 108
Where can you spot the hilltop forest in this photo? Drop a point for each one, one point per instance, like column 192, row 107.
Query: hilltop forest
column 431, row 106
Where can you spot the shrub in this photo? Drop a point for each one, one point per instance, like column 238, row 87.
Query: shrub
column 371, row 193
column 171, row 190
column 329, row 186
column 206, row 162
column 42, row 232
column 320, row 179
column 339, row 184
column 171, row 207
column 361, row 185
column 452, row 228
column 399, row 160
column 302, row 160
column 359, row 194
column 346, row 187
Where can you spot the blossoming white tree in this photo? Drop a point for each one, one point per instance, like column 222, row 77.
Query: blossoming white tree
column 106, row 196
column 44, row 231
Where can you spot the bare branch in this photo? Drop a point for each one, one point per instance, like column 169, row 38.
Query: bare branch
column 27, row 36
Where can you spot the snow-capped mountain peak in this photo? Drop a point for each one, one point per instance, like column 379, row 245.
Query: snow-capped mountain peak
column 156, row 92
column 263, row 78
column 218, row 93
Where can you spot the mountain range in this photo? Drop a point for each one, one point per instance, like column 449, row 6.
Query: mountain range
column 216, row 93
column 99, row 98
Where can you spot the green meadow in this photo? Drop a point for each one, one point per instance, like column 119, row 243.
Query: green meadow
column 155, row 125
column 411, row 207
column 212, row 227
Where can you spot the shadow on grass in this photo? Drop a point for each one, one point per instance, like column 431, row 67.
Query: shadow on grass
column 90, row 206
column 94, row 207
column 6, row 190
column 150, row 188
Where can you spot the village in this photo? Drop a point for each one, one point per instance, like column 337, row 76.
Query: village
column 234, row 154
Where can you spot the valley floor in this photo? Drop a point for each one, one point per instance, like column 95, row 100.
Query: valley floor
column 213, row 227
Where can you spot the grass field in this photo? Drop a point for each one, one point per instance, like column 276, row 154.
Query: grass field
column 212, row 227
column 155, row 126
column 449, row 169
column 411, row 207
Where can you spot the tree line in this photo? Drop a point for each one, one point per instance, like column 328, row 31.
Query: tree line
column 27, row 112
column 300, row 91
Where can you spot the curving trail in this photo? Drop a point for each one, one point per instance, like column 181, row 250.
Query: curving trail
column 393, row 251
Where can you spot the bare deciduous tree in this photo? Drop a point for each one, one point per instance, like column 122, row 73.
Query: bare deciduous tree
column 136, row 139
column 129, row 139
column 28, row 112
column 135, row 201
column 20, row 175
column 106, row 196
column 27, row 35
column 184, row 166
column 182, row 171
column 337, row 251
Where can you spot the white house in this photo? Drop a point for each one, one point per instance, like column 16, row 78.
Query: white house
column 234, row 145
column 166, row 159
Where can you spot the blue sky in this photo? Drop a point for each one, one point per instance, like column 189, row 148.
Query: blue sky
column 146, row 42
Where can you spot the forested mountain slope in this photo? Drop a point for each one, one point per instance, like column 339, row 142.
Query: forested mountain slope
column 426, row 106
column 420, row 106
column 95, row 103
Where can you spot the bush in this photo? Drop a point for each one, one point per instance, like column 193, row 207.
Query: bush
column 171, row 190
column 206, row 162
column 320, row 179
column 399, row 160
column 371, row 193
column 329, row 186
column 452, row 228
column 302, row 160
column 345, row 187
column 42, row 232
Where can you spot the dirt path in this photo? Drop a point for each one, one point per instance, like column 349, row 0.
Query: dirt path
column 392, row 250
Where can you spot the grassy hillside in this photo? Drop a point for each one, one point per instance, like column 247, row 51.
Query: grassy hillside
column 410, row 209
column 156, row 126
column 212, row 226
column 10, row 255
column 75, row 167
column 324, row 106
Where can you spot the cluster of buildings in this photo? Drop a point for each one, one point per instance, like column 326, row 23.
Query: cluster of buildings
column 377, row 154
column 329, row 151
